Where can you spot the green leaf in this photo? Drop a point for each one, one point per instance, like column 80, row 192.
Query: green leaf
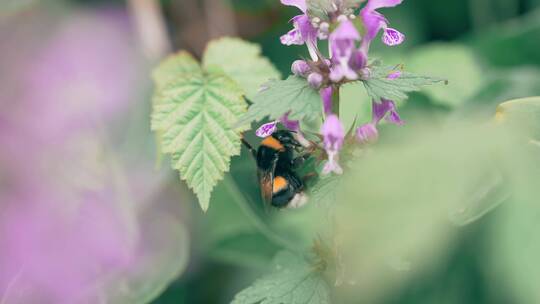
column 281, row 96
column 324, row 192
column 242, row 61
column 194, row 111
column 319, row 8
column 380, row 86
column 181, row 63
column 454, row 62
column 323, row 8
column 355, row 105
column 293, row 281
column 522, row 114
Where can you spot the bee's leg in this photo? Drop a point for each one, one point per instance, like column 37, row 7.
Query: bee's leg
column 300, row 160
column 309, row 176
column 250, row 148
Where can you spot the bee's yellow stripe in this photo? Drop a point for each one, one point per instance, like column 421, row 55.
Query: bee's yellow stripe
column 272, row 143
column 279, row 184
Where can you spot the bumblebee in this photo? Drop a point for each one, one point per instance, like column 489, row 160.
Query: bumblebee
column 276, row 163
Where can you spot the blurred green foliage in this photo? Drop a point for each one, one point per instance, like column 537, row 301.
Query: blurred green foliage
column 488, row 49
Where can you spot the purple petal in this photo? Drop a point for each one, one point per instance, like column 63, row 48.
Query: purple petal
column 303, row 32
column 394, row 118
column 293, row 125
column 376, row 4
column 342, row 70
column 392, row 37
column 358, row 60
column 373, row 22
column 367, row 133
column 332, row 165
column 333, row 133
column 380, row 111
column 345, row 31
column 394, row 75
column 267, row 129
column 301, row 4
column 292, row 37
column 326, row 96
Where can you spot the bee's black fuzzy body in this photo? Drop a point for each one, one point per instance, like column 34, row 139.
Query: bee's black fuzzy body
column 280, row 185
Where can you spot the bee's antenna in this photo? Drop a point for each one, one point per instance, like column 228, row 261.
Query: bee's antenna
column 250, row 148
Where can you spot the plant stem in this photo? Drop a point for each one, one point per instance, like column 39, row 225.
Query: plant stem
column 255, row 220
column 335, row 100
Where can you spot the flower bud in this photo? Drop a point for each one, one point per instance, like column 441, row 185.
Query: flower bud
column 367, row 133
column 315, row 80
column 300, row 68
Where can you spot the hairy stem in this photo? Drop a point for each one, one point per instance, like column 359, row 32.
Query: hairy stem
column 255, row 220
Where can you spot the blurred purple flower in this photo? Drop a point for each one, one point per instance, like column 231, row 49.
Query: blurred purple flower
column 303, row 31
column 385, row 109
column 374, row 21
column 71, row 223
column 333, row 136
column 367, row 133
column 342, row 43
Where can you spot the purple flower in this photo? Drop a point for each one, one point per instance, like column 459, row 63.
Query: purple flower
column 303, row 31
column 326, row 96
column 385, row 109
column 333, row 134
column 342, row 46
column 367, row 133
column 374, row 21
column 294, row 125
column 267, row 129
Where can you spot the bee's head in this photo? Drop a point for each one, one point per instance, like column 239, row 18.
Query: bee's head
column 286, row 138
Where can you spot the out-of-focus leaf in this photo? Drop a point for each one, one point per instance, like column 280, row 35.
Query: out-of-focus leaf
column 380, row 86
column 511, row 44
column 525, row 113
column 514, row 242
column 324, row 192
column 480, row 198
column 278, row 97
column 293, row 281
column 355, row 105
column 394, row 205
column 241, row 61
column 194, row 112
column 248, row 250
column 454, row 62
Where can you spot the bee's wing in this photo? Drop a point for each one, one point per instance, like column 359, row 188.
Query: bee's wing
column 266, row 180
